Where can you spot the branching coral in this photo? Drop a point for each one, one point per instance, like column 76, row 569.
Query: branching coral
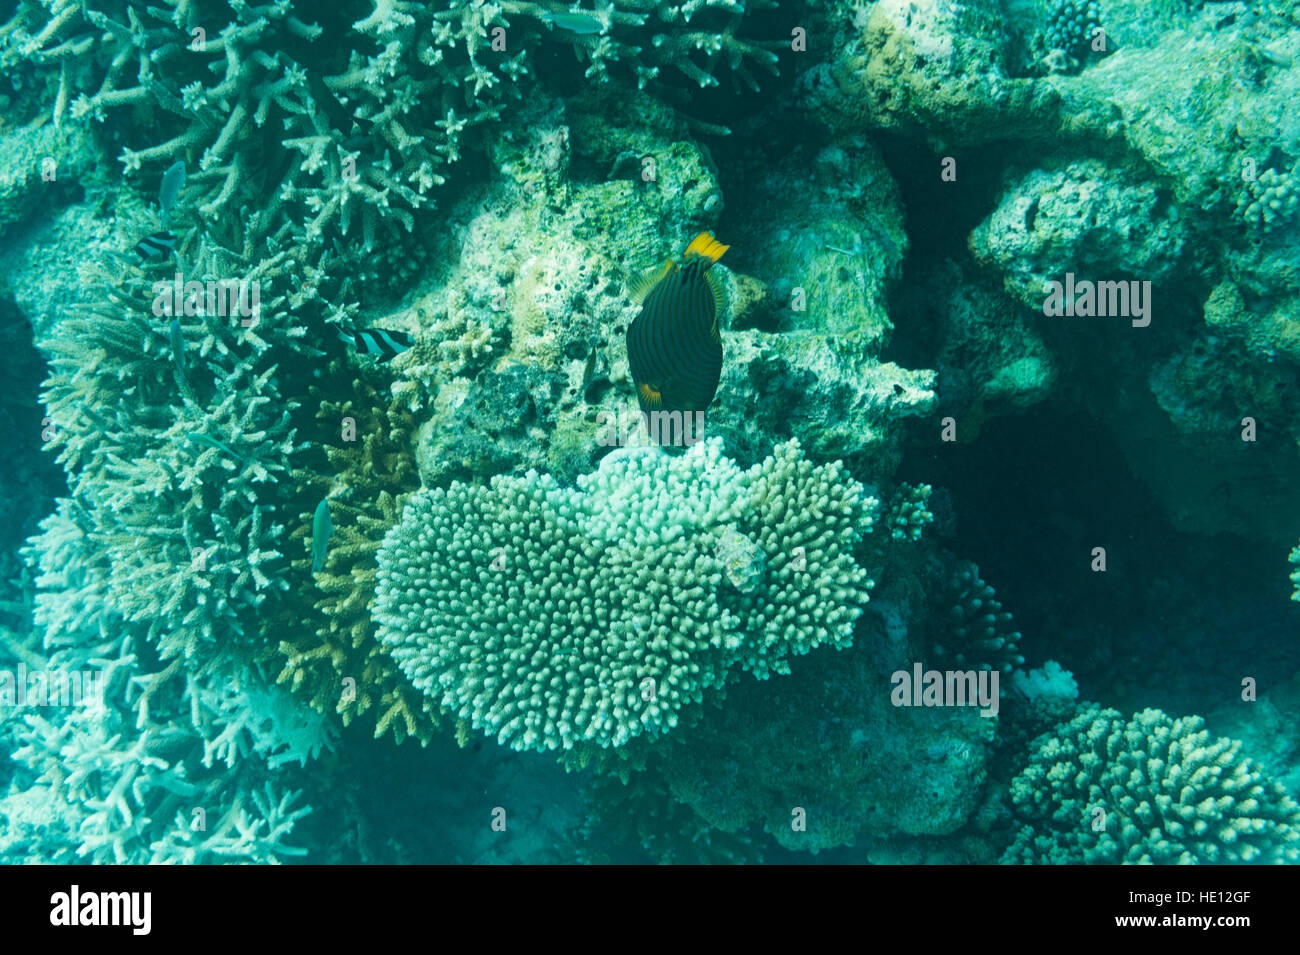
column 164, row 766
column 1102, row 789
column 550, row 617
column 643, row 37
column 978, row 631
column 185, row 482
column 371, row 451
column 1295, row 574
column 261, row 101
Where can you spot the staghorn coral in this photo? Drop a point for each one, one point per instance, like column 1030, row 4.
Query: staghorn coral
column 645, row 37
column 190, row 531
column 550, row 617
column 213, row 79
column 373, row 471
column 1102, row 789
column 134, row 785
column 122, row 779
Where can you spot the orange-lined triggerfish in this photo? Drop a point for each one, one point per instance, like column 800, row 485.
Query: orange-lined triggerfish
column 674, row 350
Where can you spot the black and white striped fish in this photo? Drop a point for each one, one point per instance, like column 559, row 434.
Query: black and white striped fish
column 379, row 343
column 156, row 246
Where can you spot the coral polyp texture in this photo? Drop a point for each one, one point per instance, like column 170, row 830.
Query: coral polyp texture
column 551, row 616
column 1073, row 29
column 1148, row 790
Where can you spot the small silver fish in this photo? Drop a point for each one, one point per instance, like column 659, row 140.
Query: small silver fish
column 215, row 445
column 580, row 23
column 178, row 346
column 173, row 181
column 321, row 529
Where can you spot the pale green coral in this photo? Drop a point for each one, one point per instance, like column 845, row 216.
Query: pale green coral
column 172, row 767
column 1102, row 789
column 1271, row 200
column 908, row 514
column 549, row 617
column 1295, row 574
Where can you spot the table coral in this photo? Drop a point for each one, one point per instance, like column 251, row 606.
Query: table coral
column 549, row 617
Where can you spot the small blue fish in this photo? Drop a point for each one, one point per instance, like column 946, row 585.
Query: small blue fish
column 321, row 529
column 379, row 343
column 173, row 181
column 178, row 346
column 156, row 246
column 580, row 23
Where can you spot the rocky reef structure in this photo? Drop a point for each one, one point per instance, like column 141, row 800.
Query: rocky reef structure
column 505, row 558
column 824, row 759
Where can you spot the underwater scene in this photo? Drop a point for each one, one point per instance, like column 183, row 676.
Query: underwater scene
column 650, row 431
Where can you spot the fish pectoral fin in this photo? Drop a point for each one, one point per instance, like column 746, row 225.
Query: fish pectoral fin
column 714, row 282
column 641, row 286
column 651, row 395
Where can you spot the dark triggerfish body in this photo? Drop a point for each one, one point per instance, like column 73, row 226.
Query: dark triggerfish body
column 674, row 350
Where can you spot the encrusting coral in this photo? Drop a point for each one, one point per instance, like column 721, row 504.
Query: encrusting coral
column 550, row 617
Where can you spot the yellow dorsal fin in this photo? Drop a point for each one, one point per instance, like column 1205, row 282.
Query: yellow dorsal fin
column 706, row 246
column 641, row 287
column 714, row 282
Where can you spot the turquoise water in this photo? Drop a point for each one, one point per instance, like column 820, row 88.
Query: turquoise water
column 374, row 492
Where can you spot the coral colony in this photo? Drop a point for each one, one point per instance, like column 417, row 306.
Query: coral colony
column 381, row 412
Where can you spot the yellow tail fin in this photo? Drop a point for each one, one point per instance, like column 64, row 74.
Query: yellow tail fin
column 706, row 246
